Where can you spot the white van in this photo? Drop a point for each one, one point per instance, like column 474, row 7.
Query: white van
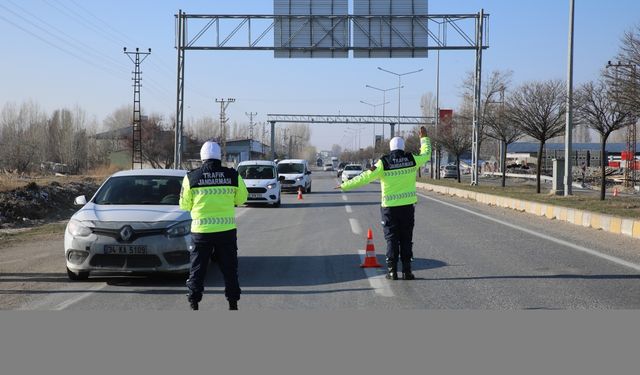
column 296, row 174
column 262, row 181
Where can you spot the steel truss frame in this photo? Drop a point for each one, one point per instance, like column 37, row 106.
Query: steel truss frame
column 453, row 34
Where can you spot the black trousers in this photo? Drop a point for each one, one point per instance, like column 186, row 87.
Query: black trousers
column 223, row 245
column 398, row 224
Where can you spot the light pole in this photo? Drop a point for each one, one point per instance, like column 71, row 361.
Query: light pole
column 569, row 124
column 399, row 75
column 384, row 99
column 374, row 125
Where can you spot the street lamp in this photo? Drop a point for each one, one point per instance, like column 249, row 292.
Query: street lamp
column 374, row 125
column 384, row 99
column 400, row 86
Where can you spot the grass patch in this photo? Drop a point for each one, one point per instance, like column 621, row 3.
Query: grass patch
column 33, row 233
column 623, row 206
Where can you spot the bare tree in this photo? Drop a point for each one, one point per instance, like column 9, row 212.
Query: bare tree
column 538, row 110
column 493, row 86
column 455, row 137
column 500, row 128
column 22, row 137
column 597, row 109
column 119, row 118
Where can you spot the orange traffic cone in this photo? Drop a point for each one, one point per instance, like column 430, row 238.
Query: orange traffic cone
column 615, row 192
column 300, row 193
column 370, row 259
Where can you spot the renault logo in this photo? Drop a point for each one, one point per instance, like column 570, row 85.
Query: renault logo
column 126, row 232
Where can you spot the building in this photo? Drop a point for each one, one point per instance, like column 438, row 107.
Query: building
column 246, row 149
column 589, row 153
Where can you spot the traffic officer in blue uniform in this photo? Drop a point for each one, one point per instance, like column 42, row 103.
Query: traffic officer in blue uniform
column 211, row 193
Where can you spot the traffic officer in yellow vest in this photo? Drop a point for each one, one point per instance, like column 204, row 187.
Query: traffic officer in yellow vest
column 211, row 193
column 397, row 174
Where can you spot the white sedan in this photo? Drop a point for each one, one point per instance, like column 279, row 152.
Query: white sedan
column 132, row 224
column 350, row 171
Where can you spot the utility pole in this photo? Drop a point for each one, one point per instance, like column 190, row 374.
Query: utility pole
column 136, row 148
column 224, row 103
column 250, row 115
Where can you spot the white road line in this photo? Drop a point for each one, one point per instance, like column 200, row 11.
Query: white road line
column 355, row 226
column 58, row 301
column 377, row 281
column 76, row 299
column 348, row 208
column 344, row 197
column 598, row 254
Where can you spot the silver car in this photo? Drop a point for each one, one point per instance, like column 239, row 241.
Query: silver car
column 132, row 224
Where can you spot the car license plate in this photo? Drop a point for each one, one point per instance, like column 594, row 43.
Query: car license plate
column 125, row 249
column 255, row 195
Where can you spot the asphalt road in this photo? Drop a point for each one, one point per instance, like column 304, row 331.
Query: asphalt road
column 306, row 254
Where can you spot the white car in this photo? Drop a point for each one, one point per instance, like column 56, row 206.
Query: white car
column 350, row 171
column 328, row 167
column 296, row 175
column 262, row 181
column 132, row 224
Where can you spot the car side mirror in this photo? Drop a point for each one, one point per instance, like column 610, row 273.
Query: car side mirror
column 80, row 201
column 280, row 178
column 308, row 172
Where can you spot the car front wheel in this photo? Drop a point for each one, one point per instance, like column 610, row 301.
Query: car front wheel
column 79, row 276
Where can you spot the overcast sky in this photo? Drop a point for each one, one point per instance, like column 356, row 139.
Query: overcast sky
column 63, row 53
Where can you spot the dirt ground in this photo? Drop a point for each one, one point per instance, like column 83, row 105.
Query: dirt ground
column 41, row 201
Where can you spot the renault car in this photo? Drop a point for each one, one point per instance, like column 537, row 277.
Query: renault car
column 133, row 223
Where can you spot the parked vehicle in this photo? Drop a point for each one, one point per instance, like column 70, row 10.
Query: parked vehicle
column 262, row 181
column 449, row 171
column 132, row 224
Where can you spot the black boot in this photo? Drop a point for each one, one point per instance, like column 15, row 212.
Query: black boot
column 406, row 272
column 392, row 271
column 233, row 305
column 193, row 305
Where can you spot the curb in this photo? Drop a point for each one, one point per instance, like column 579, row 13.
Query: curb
column 607, row 223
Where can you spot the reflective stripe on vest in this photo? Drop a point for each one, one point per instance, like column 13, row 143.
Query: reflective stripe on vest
column 399, row 172
column 393, row 197
column 214, row 191
column 215, row 221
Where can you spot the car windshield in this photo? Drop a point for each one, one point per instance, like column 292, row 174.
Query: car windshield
column 290, row 168
column 256, row 172
column 353, row 168
column 129, row 190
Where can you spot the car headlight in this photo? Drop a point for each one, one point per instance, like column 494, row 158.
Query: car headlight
column 180, row 229
column 77, row 229
column 298, row 178
column 271, row 186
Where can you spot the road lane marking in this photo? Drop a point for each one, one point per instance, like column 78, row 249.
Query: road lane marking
column 344, row 197
column 59, row 303
column 598, row 254
column 377, row 281
column 355, row 226
column 348, row 208
column 76, row 299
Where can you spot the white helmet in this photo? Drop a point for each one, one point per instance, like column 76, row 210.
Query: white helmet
column 210, row 150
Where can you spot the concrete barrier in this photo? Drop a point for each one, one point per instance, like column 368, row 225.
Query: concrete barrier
column 613, row 224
